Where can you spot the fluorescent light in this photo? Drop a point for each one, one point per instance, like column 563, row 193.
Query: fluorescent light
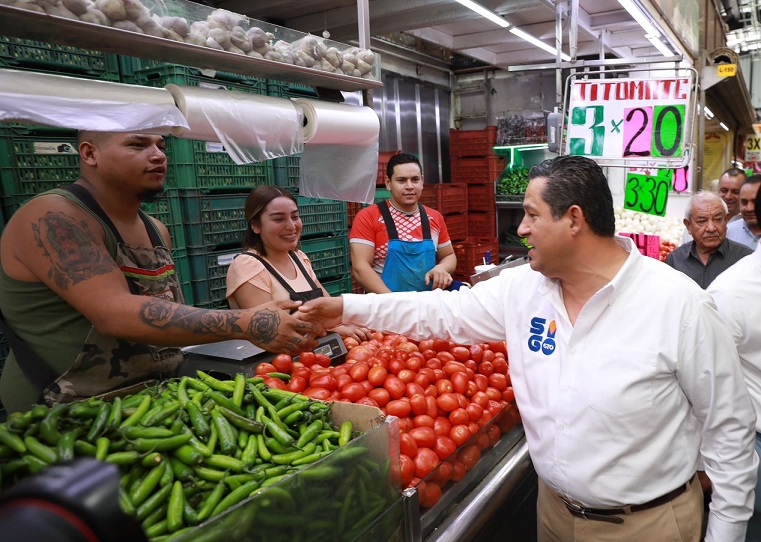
column 640, row 17
column 658, row 44
column 483, row 12
column 537, row 42
column 708, row 113
column 724, row 126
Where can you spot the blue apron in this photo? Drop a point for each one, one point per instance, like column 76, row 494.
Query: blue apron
column 407, row 262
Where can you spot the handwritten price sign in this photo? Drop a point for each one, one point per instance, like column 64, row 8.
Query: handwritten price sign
column 648, row 245
column 631, row 121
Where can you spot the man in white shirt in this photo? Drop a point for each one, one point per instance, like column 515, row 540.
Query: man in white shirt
column 748, row 230
column 624, row 374
column 737, row 293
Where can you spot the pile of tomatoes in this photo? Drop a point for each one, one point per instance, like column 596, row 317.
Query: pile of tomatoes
column 666, row 248
column 452, row 401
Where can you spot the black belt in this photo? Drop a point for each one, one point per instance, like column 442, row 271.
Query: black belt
column 611, row 514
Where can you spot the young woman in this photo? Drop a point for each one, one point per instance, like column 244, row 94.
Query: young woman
column 271, row 266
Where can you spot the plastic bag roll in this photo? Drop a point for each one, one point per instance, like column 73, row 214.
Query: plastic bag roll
column 251, row 127
column 328, row 123
column 86, row 104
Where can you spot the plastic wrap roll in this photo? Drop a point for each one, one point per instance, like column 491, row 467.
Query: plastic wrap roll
column 86, row 104
column 328, row 123
column 251, row 127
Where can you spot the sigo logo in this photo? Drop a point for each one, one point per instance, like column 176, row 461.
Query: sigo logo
column 537, row 340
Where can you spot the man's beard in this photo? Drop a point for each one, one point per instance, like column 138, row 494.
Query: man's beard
column 149, row 196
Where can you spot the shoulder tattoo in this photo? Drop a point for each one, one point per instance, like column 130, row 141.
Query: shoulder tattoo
column 71, row 248
column 166, row 315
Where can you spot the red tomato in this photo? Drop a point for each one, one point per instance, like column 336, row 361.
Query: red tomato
column 459, row 434
column 472, row 389
column 367, row 386
column 460, row 382
column 469, row 456
column 476, row 352
column 441, row 345
column 498, row 381
column 459, row 416
column 418, row 404
column 283, row 363
column 297, row 384
column 342, row 381
column 431, row 495
column 482, row 381
column 433, row 363
column 265, row 368
column 488, row 356
column 424, row 436
column 367, row 401
column 358, row 371
column 398, row 407
column 394, row 386
column 307, row 358
column 480, row 398
column 425, row 461
column 508, row 395
column 453, row 367
column 475, row 411
column 412, row 388
column 317, row 393
column 377, row 375
column 275, row 383
column 447, row 402
column 401, row 355
column 407, row 445
column 426, row 344
column 415, row 361
column 458, row 471
column 493, row 394
column 498, row 347
column 423, row 420
column 444, row 386
column 360, row 353
column 350, row 342
column 407, row 469
column 406, row 376
column 442, row 426
column 443, row 473
column 323, row 380
column 396, row 365
column 322, row 360
column 482, row 440
column 494, row 434
column 444, row 447
column 445, row 357
column 486, row 368
column 433, row 406
column 460, row 353
column 353, row 391
column 500, row 365
column 380, row 396
column 300, row 370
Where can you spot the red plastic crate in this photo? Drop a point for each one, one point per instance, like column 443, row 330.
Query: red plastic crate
column 383, row 158
column 482, row 224
column 471, row 252
column 352, row 208
column 463, row 143
column 430, row 197
column 477, row 170
column 452, row 198
column 481, row 198
column 457, row 225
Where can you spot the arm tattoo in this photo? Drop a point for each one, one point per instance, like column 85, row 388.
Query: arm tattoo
column 71, row 248
column 263, row 326
column 166, row 315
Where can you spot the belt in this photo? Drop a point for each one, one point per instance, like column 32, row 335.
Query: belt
column 611, row 514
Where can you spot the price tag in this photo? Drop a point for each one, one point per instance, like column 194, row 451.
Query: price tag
column 726, row 70
column 648, row 245
column 648, row 193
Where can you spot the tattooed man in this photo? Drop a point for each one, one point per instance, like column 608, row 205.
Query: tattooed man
column 87, row 282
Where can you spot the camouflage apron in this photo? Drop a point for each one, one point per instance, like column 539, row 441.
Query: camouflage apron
column 108, row 366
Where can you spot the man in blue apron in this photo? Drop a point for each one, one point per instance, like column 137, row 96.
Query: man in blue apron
column 399, row 245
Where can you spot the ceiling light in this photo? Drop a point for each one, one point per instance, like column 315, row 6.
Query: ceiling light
column 638, row 16
column 537, row 42
column 708, row 113
column 724, row 126
column 483, row 12
column 658, row 44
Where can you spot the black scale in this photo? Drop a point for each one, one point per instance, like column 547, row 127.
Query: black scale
column 225, row 359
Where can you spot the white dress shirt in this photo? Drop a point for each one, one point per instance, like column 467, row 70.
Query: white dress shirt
column 737, row 293
column 617, row 408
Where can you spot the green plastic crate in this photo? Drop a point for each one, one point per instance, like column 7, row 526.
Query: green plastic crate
column 329, row 255
column 21, row 54
column 212, row 220
column 322, row 217
column 206, row 165
column 381, row 194
column 337, row 287
column 286, row 173
column 193, row 77
column 35, row 159
column 182, row 268
column 167, row 209
column 131, row 67
column 208, row 272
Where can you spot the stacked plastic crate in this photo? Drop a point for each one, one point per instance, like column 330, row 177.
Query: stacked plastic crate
column 475, row 165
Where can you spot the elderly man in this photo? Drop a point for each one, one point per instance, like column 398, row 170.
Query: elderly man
column 710, row 252
column 625, row 375
column 747, row 231
column 737, row 293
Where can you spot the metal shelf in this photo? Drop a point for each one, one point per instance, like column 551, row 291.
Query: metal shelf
column 509, row 204
column 32, row 25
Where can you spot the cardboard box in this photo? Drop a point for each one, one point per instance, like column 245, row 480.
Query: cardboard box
column 346, row 496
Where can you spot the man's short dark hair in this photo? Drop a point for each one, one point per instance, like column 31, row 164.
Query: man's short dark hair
column 734, row 172
column 401, row 158
column 577, row 180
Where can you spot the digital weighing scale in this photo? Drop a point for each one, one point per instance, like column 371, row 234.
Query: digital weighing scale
column 225, row 359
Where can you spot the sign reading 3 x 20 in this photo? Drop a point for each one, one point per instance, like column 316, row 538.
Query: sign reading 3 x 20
column 627, row 122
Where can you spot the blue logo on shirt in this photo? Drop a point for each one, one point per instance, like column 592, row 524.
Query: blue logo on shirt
column 537, row 340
